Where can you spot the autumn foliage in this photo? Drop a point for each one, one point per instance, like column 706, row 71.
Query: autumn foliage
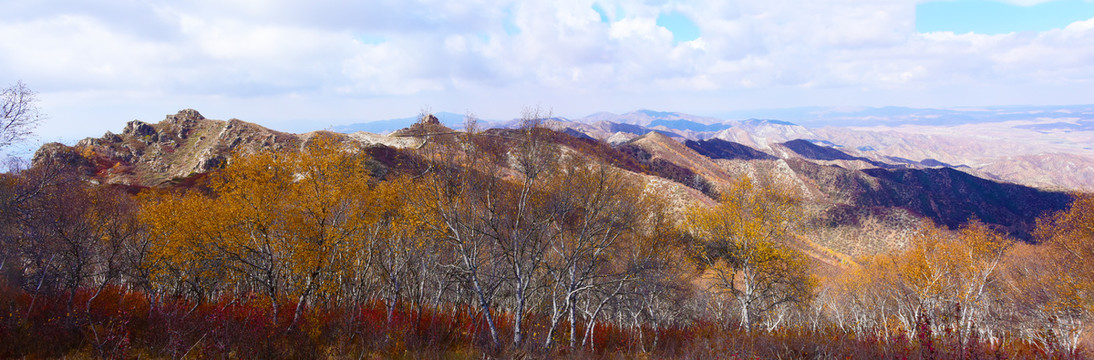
column 503, row 244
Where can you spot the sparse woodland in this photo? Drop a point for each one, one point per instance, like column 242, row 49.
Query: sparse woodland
column 503, row 244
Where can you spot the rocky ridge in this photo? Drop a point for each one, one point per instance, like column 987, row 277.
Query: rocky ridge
column 184, row 143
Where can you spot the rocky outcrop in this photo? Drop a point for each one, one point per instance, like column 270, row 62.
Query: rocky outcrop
column 141, row 130
column 427, row 125
column 182, row 144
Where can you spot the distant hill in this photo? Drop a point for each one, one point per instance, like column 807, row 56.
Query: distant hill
column 1047, row 147
column 648, row 117
column 721, row 149
column 816, row 152
column 817, row 117
column 449, row 119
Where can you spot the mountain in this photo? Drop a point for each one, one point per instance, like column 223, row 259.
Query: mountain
column 762, row 134
column 1058, row 171
column 728, row 150
column 816, row 152
column 687, row 125
column 845, row 188
column 818, row 117
column 672, row 160
column 604, row 129
column 850, row 189
column 830, row 155
column 951, row 197
column 451, row 120
column 183, row 144
column 1009, row 151
column 848, row 183
column 1045, row 147
column 648, row 117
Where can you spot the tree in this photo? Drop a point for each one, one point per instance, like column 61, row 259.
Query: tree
column 744, row 246
column 496, row 221
column 951, row 279
column 287, row 224
column 19, row 113
column 1068, row 238
column 521, row 224
column 402, row 252
column 61, row 233
column 454, row 185
column 599, row 211
column 1071, row 233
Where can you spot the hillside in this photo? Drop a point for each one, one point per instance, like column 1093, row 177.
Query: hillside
column 183, row 144
column 1043, row 147
column 838, row 184
column 386, row 236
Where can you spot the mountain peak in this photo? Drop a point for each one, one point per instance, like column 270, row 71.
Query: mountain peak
column 645, row 117
column 656, row 114
column 657, row 136
column 185, row 115
column 182, row 144
column 761, row 122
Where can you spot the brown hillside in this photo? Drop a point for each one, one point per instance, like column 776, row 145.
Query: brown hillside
column 183, row 144
column 660, row 146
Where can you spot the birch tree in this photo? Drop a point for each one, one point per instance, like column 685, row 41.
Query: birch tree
column 743, row 244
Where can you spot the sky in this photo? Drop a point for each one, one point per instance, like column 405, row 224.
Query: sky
column 308, row 65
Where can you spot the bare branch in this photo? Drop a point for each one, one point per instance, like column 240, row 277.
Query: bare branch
column 19, row 113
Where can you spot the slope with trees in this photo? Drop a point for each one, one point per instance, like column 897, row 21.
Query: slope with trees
column 502, row 243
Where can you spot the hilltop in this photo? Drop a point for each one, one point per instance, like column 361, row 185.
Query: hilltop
column 845, row 188
column 183, row 144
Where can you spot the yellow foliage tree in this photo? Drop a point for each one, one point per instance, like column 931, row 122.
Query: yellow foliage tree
column 1067, row 279
column 744, row 246
column 950, row 277
column 292, row 224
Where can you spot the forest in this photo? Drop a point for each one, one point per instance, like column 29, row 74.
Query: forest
column 503, row 243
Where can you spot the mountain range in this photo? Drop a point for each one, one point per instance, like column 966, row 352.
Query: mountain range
column 859, row 203
column 1044, row 147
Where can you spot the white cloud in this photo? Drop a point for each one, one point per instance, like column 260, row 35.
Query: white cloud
column 79, row 51
column 459, row 53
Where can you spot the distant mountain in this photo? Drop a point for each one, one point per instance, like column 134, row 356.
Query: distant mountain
column 648, row 117
column 449, row 119
column 728, row 150
column 897, row 116
column 947, row 196
column 754, row 123
column 1083, row 125
column 688, row 125
column 1048, row 146
column 951, row 197
column 816, row 152
column 762, row 134
column 849, row 195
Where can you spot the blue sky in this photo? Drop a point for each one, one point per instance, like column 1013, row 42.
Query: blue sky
column 299, row 66
column 995, row 17
column 681, row 26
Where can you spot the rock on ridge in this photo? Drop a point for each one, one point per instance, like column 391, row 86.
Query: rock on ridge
column 182, row 144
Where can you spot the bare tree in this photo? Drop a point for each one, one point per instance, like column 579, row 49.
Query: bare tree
column 19, row 113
